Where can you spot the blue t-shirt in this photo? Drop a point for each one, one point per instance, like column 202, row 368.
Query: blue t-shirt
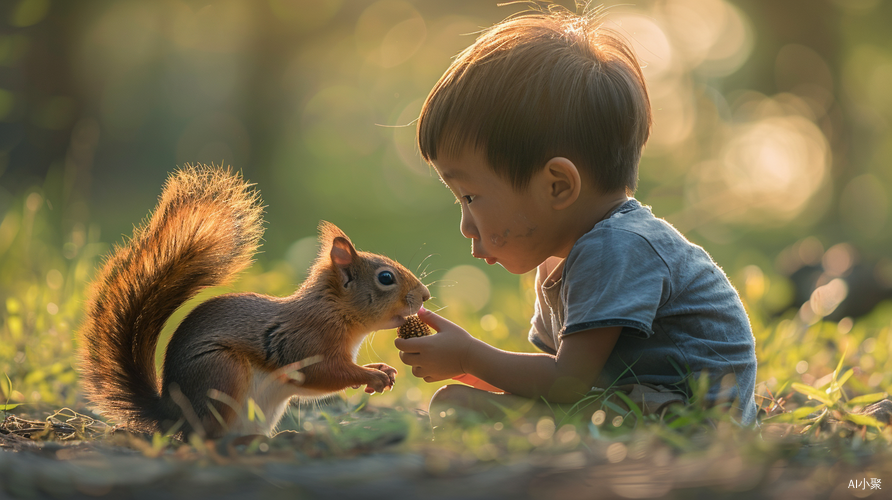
column 680, row 314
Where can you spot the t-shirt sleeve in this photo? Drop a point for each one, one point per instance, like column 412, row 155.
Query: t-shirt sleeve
column 614, row 277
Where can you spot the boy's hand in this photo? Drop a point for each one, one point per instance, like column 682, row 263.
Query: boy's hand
column 436, row 357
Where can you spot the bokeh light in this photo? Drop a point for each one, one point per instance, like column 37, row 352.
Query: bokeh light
column 28, row 12
column 302, row 95
column 465, row 287
column 389, row 32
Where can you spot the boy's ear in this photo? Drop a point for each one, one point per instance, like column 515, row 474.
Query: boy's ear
column 563, row 182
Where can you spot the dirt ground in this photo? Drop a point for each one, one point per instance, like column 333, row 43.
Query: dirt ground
column 395, row 462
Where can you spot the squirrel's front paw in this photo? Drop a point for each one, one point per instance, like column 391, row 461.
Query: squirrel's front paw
column 381, row 377
column 384, row 367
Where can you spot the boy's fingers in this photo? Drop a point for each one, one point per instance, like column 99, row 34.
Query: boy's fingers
column 434, row 320
column 414, row 344
column 408, row 345
column 409, row 358
column 401, row 344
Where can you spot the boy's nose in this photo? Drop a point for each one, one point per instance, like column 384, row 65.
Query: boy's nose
column 467, row 227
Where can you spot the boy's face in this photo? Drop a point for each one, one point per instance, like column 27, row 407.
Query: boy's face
column 505, row 226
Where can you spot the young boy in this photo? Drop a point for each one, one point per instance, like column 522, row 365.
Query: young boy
column 537, row 129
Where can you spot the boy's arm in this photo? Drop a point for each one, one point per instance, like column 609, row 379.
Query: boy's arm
column 563, row 378
column 476, row 383
column 560, row 379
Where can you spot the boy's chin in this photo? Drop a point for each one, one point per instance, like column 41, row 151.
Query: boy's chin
column 511, row 267
column 515, row 268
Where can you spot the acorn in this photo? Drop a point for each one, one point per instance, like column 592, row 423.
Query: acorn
column 413, row 327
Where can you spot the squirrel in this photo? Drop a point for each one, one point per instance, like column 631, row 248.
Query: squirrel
column 235, row 353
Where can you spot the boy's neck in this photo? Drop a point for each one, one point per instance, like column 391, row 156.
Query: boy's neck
column 587, row 212
column 605, row 206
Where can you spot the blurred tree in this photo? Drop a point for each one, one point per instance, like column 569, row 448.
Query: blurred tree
column 99, row 99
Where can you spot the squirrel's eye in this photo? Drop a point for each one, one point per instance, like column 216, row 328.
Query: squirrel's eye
column 386, row 278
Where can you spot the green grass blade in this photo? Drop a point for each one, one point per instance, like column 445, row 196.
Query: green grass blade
column 839, row 365
column 845, row 377
column 864, row 420
column 797, row 415
column 617, row 408
column 812, row 393
column 867, row 399
column 632, row 406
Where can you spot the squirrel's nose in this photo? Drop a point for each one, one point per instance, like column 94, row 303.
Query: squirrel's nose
column 425, row 294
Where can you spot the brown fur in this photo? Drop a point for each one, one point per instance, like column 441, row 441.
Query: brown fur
column 234, row 348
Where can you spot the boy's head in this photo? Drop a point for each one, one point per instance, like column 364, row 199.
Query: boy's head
column 542, row 85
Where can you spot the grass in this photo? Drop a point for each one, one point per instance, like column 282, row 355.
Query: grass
column 815, row 379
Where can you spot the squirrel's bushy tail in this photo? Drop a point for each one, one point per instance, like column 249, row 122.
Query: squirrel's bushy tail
column 206, row 228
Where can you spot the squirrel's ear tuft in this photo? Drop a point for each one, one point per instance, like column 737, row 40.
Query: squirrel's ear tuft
column 328, row 232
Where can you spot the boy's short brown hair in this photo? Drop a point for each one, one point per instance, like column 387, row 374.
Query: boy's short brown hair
column 539, row 85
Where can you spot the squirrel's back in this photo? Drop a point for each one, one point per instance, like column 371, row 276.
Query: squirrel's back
column 205, row 229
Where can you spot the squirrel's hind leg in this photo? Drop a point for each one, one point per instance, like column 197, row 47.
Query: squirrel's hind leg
column 217, row 402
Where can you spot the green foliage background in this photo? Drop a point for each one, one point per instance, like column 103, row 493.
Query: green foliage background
column 770, row 149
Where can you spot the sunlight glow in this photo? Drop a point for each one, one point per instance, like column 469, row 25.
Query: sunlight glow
column 390, row 32
column 466, row 287
column 825, row 299
column 651, row 45
column 775, row 165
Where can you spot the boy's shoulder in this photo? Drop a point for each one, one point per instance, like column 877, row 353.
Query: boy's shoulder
column 633, row 242
column 633, row 224
column 635, row 218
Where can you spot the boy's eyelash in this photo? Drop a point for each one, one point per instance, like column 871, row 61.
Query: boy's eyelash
column 467, row 197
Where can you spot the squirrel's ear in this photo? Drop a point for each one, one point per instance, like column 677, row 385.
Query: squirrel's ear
column 339, row 249
column 342, row 252
column 328, row 232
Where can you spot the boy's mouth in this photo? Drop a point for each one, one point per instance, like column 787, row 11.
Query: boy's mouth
column 489, row 260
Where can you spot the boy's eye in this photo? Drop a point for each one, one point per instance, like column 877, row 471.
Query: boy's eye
column 468, row 198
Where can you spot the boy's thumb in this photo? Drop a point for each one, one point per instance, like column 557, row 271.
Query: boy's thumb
column 434, row 320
